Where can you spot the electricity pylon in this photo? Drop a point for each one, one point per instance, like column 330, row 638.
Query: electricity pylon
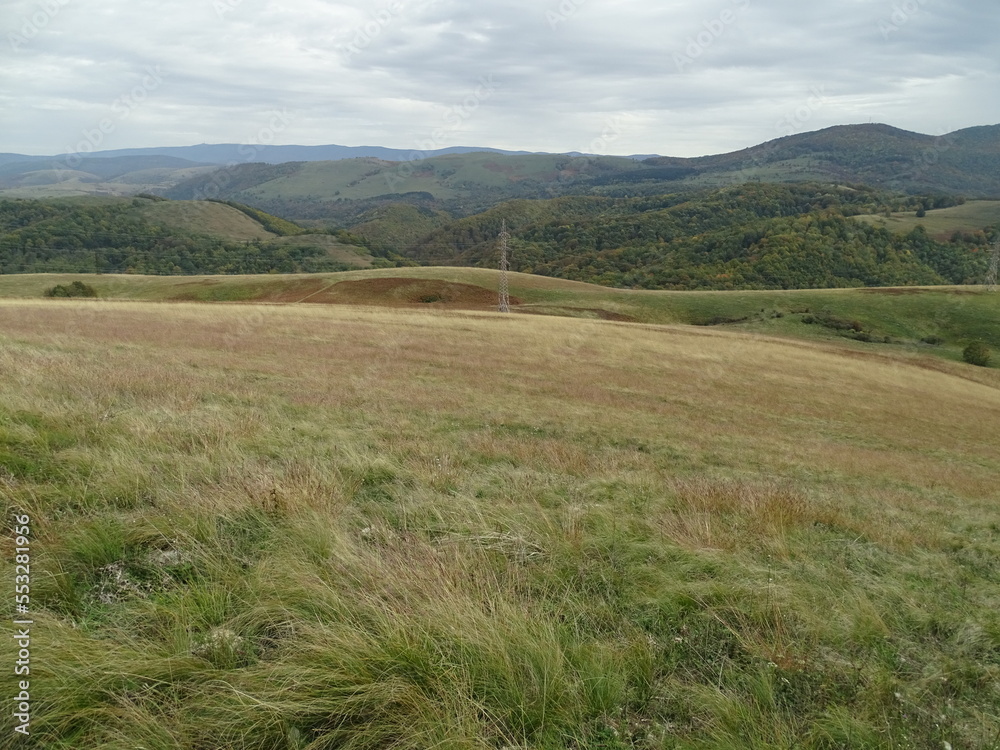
column 504, row 301
column 991, row 275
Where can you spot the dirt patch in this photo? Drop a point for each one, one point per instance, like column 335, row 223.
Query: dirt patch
column 396, row 292
column 298, row 292
column 894, row 290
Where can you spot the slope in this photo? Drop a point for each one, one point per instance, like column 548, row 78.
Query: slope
column 284, row 526
column 924, row 324
column 153, row 235
column 749, row 236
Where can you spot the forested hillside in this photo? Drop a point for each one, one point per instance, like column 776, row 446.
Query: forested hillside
column 116, row 236
column 753, row 236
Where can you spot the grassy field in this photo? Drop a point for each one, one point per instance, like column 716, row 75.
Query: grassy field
column 971, row 216
column 328, row 526
column 949, row 317
column 206, row 217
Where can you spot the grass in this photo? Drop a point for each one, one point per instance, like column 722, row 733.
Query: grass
column 908, row 317
column 206, row 217
column 971, row 216
column 310, row 526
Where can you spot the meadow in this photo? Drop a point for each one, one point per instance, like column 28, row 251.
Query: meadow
column 943, row 222
column 335, row 526
column 908, row 317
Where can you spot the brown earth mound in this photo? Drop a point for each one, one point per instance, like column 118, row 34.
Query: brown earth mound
column 406, row 292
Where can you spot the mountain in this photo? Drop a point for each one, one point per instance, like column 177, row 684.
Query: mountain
column 37, row 177
column 241, row 153
column 966, row 162
column 458, row 183
column 321, row 182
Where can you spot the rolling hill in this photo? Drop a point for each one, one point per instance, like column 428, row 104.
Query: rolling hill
column 966, row 162
column 749, row 236
column 287, row 526
column 117, row 176
column 924, row 323
column 153, row 235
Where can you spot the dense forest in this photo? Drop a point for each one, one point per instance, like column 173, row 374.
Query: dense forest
column 753, row 236
column 111, row 237
column 749, row 236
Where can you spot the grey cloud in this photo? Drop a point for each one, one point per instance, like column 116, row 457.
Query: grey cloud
column 393, row 72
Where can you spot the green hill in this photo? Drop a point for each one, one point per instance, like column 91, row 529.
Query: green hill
column 751, row 236
column 113, row 176
column 141, row 235
column 965, row 163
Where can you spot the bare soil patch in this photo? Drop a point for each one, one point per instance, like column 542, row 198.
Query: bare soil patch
column 398, row 292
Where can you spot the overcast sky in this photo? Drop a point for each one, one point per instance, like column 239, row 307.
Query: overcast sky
column 673, row 77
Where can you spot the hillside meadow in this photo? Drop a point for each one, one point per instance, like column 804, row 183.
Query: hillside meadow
column 899, row 321
column 332, row 526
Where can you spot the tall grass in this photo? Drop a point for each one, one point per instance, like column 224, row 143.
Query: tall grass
column 339, row 528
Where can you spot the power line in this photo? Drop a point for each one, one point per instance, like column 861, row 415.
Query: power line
column 504, row 302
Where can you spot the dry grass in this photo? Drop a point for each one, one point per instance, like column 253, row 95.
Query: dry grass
column 343, row 527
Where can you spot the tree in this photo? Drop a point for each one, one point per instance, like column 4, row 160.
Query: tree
column 977, row 353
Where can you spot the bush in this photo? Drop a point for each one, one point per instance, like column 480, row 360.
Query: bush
column 977, row 353
column 932, row 340
column 76, row 289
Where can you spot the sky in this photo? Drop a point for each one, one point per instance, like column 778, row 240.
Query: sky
column 670, row 77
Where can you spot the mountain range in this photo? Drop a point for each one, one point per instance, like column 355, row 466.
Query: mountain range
column 309, row 179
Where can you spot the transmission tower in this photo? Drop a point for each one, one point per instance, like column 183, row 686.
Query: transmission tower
column 504, row 302
column 991, row 275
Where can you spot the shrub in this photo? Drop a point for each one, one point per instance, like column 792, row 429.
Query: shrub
column 76, row 289
column 977, row 353
column 932, row 340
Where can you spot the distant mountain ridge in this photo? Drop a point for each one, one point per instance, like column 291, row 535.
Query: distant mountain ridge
column 315, row 181
column 241, row 153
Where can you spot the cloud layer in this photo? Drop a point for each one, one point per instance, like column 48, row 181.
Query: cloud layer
column 673, row 77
